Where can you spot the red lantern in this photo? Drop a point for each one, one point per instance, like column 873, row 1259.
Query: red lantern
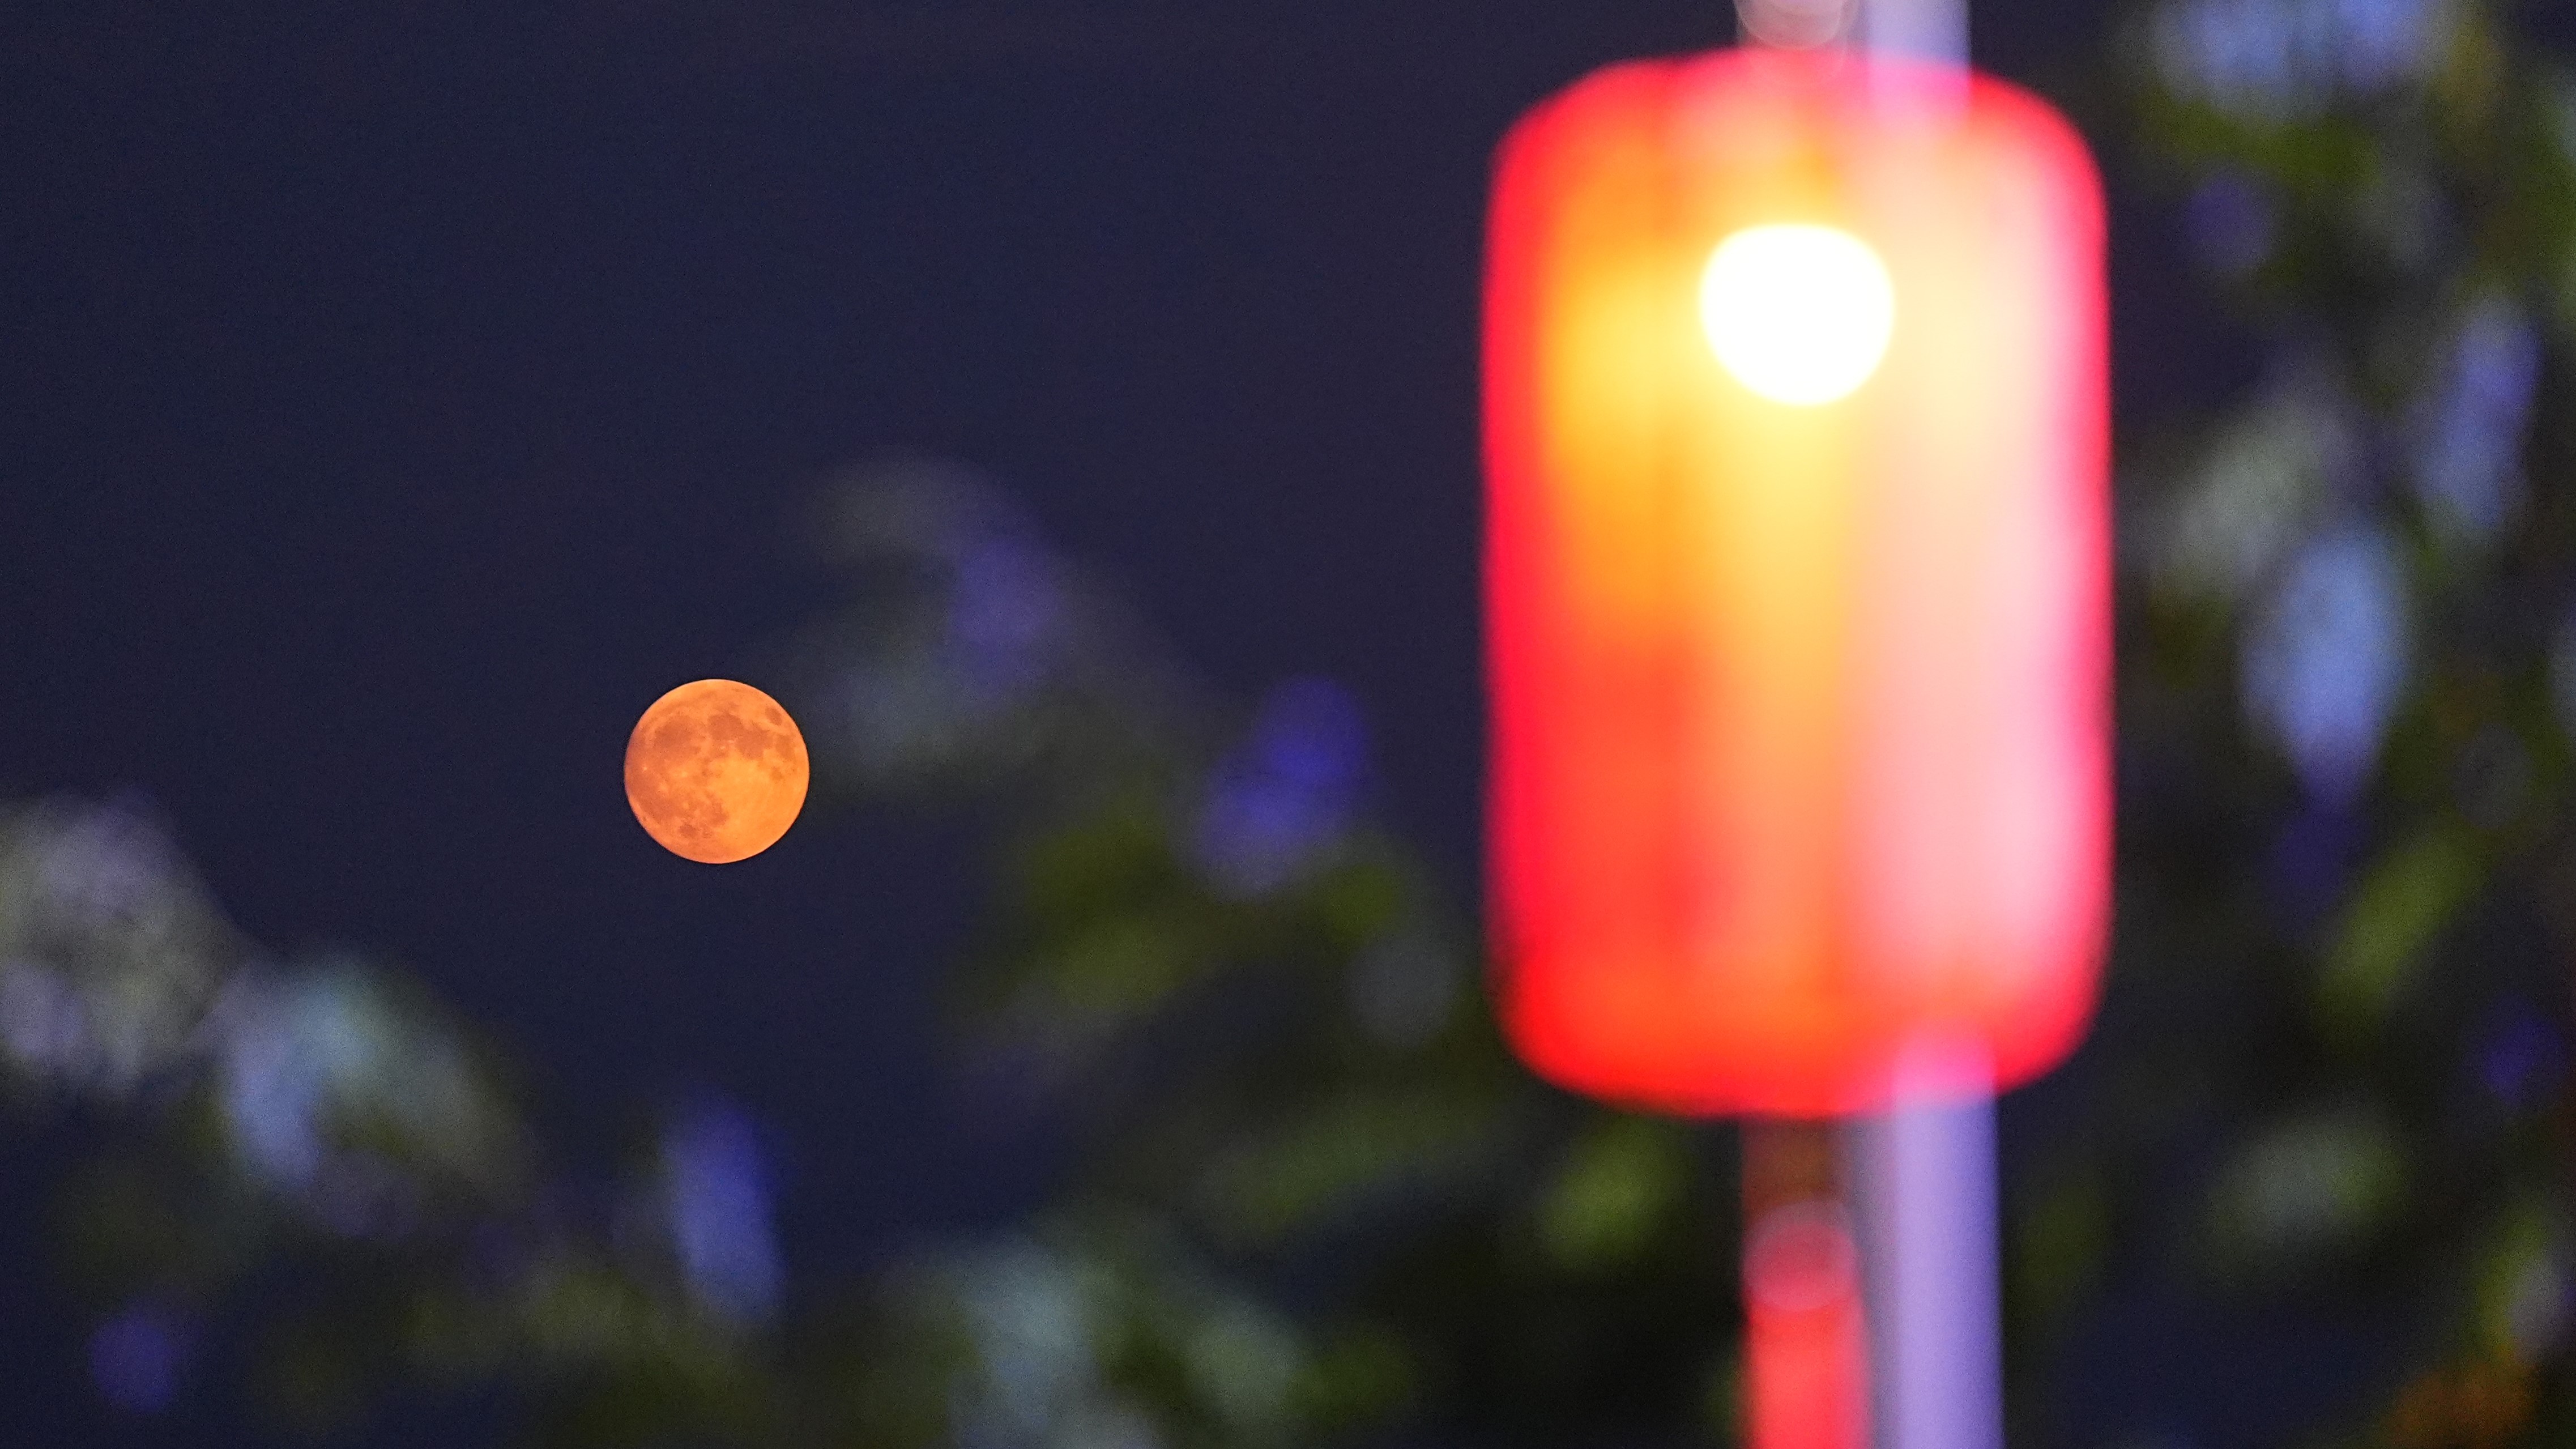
column 1798, row 582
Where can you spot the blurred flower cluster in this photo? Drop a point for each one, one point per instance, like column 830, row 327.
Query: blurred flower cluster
column 2333, row 1083
column 972, row 657
column 1313, row 1192
column 318, row 1139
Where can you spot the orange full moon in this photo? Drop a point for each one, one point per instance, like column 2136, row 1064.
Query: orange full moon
column 716, row 771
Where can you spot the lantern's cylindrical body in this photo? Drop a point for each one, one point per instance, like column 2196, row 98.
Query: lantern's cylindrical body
column 1800, row 708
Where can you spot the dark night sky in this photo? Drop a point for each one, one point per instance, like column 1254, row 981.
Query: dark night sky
column 391, row 406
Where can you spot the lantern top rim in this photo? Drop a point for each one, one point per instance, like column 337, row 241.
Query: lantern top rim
column 1897, row 90
column 1826, row 92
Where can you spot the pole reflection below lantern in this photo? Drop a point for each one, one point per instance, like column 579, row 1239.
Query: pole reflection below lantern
column 1797, row 582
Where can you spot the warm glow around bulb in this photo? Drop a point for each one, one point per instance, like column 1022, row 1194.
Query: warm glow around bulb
column 1800, row 314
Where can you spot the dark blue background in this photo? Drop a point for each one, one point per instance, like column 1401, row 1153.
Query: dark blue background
column 392, row 404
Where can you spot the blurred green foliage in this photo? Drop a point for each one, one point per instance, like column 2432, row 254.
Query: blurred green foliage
column 1314, row 1199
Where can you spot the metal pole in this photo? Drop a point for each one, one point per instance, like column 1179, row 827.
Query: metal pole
column 1934, row 30
column 1922, row 1175
column 1923, row 1185
column 1919, row 1180
column 1923, row 29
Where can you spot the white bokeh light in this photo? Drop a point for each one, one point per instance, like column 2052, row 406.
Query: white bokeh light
column 1800, row 314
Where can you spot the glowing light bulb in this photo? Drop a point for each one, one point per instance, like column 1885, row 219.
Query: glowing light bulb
column 1800, row 314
